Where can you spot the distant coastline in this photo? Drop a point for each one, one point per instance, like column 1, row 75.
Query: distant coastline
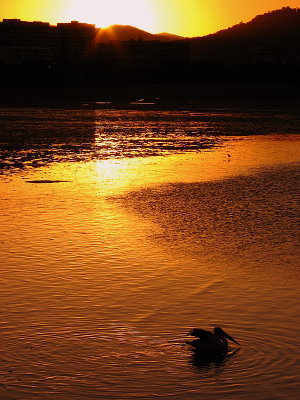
column 172, row 96
column 74, row 62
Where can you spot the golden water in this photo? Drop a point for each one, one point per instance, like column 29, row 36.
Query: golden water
column 104, row 273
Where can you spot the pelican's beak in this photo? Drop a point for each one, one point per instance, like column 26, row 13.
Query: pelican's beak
column 230, row 338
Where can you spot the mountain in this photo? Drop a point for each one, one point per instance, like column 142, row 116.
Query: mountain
column 127, row 32
column 169, row 36
column 271, row 36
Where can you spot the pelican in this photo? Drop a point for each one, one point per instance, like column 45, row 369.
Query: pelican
column 211, row 342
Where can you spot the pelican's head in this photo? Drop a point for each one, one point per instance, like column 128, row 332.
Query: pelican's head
column 222, row 334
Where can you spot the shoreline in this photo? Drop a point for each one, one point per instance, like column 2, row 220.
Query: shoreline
column 166, row 96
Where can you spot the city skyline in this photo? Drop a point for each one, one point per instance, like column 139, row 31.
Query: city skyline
column 186, row 18
column 266, row 41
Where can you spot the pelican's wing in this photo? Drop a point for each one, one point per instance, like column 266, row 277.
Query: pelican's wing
column 202, row 334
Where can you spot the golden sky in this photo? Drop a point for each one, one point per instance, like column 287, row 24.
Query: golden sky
column 181, row 17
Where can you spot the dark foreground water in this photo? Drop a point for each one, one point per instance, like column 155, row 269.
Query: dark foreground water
column 122, row 230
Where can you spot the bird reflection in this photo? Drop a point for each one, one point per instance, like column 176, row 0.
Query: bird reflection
column 201, row 360
column 210, row 347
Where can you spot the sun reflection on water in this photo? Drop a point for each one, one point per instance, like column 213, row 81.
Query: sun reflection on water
column 107, row 265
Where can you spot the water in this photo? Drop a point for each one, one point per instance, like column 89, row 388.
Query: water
column 121, row 231
column 35, row 137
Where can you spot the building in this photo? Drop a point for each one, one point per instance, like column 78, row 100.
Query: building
column 22, row 41
column 77, row 41
column 143, row 53
column 262, row 55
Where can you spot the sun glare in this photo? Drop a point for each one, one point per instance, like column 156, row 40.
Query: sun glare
column 103, row 13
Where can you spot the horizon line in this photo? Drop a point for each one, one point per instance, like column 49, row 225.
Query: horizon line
column 96, row 27
column 141, row 29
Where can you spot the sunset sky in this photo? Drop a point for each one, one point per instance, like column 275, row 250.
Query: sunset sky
column 182, row 17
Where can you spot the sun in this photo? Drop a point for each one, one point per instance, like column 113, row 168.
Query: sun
column 102, row 13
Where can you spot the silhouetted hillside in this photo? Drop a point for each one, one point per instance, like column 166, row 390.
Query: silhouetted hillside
column 169, row 36
column 272, row 38
column 265, row 50
column 127, row 32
